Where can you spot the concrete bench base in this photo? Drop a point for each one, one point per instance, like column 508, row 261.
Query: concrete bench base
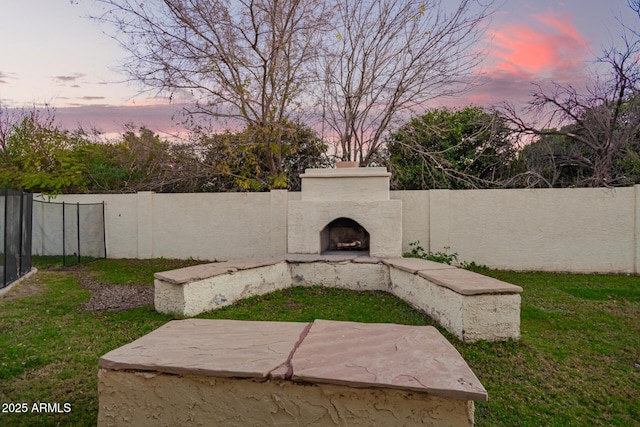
column 234, row 373
column 470, row 306
column 150, row 399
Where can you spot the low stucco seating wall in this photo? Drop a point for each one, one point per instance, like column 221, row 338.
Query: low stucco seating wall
column 192, row 290
column 469, row 305
column 200, row 372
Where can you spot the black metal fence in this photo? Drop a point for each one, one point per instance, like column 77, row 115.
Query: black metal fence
column 15, row 231
column 75, row 231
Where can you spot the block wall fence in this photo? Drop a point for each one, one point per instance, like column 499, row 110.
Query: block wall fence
column 572, row 230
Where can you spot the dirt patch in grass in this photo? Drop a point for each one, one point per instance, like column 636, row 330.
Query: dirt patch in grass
column 111, row 297
column 108, row 297
column 26, row 288
column 128, row 282
column 105, row 298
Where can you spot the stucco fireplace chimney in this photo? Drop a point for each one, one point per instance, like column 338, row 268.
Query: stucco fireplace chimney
column 345, row 209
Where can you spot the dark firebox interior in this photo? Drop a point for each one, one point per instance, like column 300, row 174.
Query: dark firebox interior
column 344, row 234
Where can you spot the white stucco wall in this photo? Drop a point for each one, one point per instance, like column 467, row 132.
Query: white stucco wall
column 208, row 226
column 212, row 226
column 415, row 217
column 581, row 230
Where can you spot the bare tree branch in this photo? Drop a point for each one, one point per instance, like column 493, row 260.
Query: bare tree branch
column 386, row 57
column 243, row 59
column 604, row 119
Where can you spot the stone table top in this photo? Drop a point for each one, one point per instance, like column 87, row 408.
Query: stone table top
column 415, row 358
column 404, row 357
column 219, row 348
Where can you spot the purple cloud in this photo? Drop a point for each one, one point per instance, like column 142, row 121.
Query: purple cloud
column 64, row 79
column 4, row 77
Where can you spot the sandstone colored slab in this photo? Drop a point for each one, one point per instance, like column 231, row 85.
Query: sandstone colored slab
column 413, row 265
column 248, row 263
column 204, row 271
column 303, row 257
column 367, row 260
column 404, row 357
column 467, row 282
column 195, row 273
column 220, row 348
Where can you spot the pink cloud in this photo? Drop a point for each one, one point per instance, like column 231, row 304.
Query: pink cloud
column 548, row 45
column 537, row 49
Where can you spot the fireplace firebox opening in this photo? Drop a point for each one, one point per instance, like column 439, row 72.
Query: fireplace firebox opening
column 344, row 234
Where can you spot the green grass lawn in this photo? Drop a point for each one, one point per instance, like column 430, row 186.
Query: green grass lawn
column 576, row 365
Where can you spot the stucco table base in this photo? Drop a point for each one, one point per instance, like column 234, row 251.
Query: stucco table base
column 469, row 305
column 230, row 373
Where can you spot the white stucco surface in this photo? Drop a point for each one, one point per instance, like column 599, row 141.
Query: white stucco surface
column 442, row 305
column 490, row 317
column 573, row 229
column 415, row 219
column 225, row 289
column 346, row 275
column 366, row 184
column 381, row 219
column 151, row 399
column 212, row 226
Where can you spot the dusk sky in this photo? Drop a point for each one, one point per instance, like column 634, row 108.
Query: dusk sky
column 50, row 52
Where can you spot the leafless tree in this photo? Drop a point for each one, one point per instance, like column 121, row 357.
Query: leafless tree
column 388, row 57
column 602, row 121
column 241, row 59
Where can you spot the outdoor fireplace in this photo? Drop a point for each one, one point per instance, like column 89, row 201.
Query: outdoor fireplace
column 346, row 209
column 344, row 234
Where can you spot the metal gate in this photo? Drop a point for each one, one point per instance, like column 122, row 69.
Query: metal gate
column 15, row 229
column 75, row 231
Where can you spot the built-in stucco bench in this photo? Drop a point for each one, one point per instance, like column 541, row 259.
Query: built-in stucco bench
column 469, row 305
column 240, row 373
